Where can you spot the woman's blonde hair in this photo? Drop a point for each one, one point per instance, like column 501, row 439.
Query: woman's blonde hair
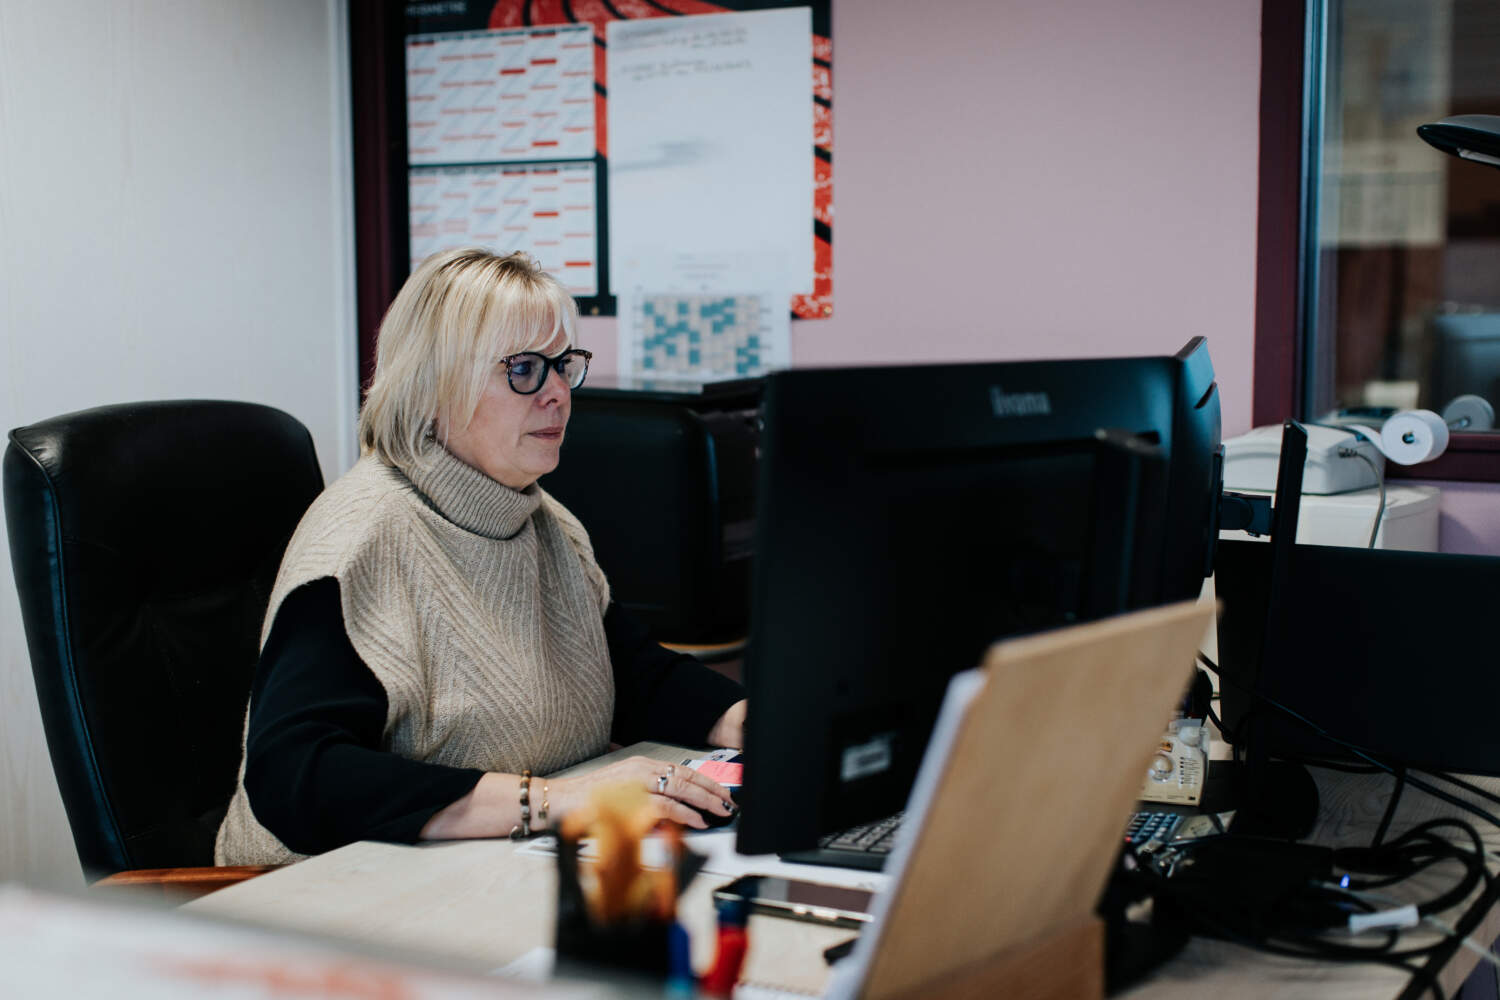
column 458, row 314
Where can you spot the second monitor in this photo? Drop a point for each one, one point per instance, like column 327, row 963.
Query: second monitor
column 908, row 516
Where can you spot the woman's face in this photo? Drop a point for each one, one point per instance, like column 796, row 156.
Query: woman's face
column 515, row 439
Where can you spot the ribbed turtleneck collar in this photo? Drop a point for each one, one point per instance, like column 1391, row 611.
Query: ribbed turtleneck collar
column 469, row 498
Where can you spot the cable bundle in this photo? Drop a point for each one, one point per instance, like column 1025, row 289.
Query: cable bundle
column 1311, row 901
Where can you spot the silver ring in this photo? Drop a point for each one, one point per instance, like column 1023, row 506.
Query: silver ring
column 661, row 784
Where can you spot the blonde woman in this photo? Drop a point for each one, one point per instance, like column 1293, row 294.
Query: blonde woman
column 439, row 635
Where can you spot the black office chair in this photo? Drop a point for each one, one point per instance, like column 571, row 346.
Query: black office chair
column 145, row 538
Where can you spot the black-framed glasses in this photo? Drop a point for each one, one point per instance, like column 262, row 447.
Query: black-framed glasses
column 527, row 372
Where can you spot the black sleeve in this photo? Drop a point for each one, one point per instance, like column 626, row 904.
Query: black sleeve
column 316, row 772
column 661, row 695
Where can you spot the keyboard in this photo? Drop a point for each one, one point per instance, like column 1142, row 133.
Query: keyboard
column 865, row 846
column 1149, row 824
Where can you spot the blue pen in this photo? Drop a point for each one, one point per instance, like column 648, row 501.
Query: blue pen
column 680, row 982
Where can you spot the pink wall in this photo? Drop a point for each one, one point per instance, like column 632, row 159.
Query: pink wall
column 1470, row 518
column 1027, row 178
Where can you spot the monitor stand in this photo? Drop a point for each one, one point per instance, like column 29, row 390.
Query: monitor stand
column 1275, row 798
column 1271, row 798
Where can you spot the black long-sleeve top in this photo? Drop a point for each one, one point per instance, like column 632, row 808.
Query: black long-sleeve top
column 317, row 773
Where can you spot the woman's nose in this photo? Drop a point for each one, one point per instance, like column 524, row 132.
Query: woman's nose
column 554, row 387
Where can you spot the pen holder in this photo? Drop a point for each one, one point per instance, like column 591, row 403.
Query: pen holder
column 621, row 919
column 637, row 942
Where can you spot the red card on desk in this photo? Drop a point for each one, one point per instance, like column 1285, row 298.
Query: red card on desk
column 727, row 774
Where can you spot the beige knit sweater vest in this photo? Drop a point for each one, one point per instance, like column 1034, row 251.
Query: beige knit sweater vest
column 479, row 609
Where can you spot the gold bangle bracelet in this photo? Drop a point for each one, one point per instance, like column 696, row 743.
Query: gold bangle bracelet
column 541, row 816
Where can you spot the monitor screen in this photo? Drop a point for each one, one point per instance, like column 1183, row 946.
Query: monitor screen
column 1465, row 358
column 909, row 516
column 1387, row 650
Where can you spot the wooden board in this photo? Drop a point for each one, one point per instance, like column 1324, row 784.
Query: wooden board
column 1028, row 814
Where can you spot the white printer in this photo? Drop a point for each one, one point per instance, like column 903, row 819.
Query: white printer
column 1340, row 490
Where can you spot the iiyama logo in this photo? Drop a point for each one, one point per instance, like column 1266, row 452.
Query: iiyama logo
column 1019, row 404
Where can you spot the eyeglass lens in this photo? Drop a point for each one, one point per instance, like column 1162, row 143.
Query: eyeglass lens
column 528, row 371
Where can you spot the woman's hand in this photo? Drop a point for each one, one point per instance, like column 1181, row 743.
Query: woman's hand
column 678, row 792
column 493, row 808
column 729, row 731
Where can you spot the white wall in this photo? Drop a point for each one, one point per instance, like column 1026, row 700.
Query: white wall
column 175, row 221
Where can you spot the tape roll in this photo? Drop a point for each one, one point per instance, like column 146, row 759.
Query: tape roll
column 1469, row 413
column 1409, row 437
column 1414, row 436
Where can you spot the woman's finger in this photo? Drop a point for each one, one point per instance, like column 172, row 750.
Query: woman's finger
column 679, row 786
column 710, row 785
column 674, row 810
column 666, row 769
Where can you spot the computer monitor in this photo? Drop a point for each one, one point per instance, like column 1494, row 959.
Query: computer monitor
column 1465, row 358
column 910, row 515
column 1386, row 650
column 663, row 476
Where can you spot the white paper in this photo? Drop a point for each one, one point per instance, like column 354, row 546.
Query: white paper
column 655, row 853
column 710, row 147
column 536, row 966
column 720, row 858
column 491, row 96
column 752, row 991
column 702, row 337
column 546, row 209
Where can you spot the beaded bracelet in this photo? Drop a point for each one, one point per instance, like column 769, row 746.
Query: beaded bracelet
column 524, row 828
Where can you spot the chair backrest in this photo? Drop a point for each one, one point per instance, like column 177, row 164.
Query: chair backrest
column 145, row 538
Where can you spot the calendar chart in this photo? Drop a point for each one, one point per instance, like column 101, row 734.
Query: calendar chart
column 703, row 337
column 545, row 209
column 489, row 96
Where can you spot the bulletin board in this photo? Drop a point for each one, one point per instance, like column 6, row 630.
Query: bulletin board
column 485, row 122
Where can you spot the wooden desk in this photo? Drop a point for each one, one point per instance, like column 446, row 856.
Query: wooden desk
column 480, row 902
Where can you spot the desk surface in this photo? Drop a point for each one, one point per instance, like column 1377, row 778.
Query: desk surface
column 482, row 902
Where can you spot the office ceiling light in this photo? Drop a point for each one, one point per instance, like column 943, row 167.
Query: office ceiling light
column 1472, row 137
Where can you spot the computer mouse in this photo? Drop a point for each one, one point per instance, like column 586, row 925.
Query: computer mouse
column 713, row 819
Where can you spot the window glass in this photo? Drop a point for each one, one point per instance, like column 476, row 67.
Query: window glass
column 1407, row 276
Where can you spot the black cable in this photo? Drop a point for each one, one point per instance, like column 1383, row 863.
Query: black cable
column 1229, row 737
column 1461, row 783
column 1435, row 850
column 1353, row 748
column 1335, row 765
column 1390, row 807
column 1463, row 928
column 1313, row 950
column 1361, row 751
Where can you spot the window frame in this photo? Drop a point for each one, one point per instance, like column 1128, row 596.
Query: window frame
column 1286, row 353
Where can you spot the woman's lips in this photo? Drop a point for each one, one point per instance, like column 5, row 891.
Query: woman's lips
column 550, row 433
